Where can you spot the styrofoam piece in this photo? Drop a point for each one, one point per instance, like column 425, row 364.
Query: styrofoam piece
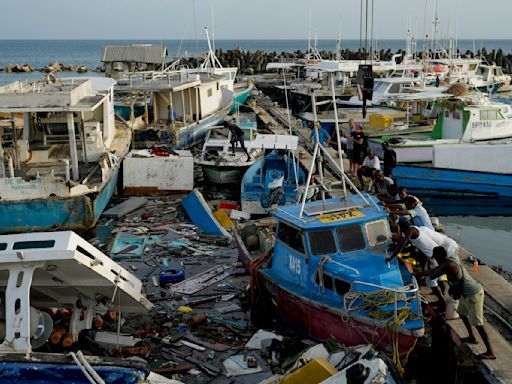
column 256, row 339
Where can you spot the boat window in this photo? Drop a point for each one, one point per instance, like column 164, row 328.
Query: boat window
column 351, row 238
column 333, row 284
column 3, row 246
column 34, row 244
column 472, row 67
column 377, row 232
column 210, row 92
column 218, row 86
column 456, row 115
column 489, row 115
column 395, row 88
column 291, row 237
column 341, row 286
column 322, row 242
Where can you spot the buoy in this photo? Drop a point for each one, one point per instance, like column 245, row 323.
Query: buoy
column 184, row 309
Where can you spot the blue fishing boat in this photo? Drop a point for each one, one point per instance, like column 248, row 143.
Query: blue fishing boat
column 329, row 274
column 275, row 178
column 61, row 160
column 240, row 96
column 201, row 215
column 427, row 180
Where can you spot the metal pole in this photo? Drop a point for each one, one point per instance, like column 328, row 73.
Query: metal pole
column 15, row 140
column 72, row 145
column 303, row 202
column 317, row 136
column 338, row 135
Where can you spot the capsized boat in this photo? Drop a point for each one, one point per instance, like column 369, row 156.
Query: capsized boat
column 54, row 270
column 329, row 275
column 59, row 164
column 276, row 176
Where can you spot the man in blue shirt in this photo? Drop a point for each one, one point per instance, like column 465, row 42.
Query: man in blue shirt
column 323, row 135
column 419, row 215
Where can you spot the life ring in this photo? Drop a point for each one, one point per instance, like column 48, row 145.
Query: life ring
column 171, row 276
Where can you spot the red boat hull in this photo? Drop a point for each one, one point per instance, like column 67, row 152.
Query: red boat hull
column 321, row 323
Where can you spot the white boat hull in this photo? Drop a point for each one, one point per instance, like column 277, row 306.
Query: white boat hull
column 224, row 175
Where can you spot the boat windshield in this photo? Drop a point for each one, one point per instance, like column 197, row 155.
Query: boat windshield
column 322, row 242
column 291, row 237
column 377, row 232
column 351, row 238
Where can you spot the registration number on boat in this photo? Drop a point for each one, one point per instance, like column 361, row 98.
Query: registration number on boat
column 353, row 213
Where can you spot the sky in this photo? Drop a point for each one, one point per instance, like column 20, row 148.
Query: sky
column 249, row 19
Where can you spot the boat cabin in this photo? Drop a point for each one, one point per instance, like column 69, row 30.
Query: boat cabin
column 61, row 128
column 354, row 239
column 178, row 101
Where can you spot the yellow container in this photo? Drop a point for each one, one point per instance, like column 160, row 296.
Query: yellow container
column 417, row 117
column 313, row 372
column 379, row 121
column 223, row 218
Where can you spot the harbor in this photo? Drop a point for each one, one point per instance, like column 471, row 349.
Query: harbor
column 236, row 207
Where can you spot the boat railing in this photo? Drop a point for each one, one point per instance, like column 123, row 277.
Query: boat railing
column 398, row 294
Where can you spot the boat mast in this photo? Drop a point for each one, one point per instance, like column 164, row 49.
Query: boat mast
column 336, row 124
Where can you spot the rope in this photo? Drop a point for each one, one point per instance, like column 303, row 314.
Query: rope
column 370, row 302
column 320, row 273
column 254, row 266
column 82, row 368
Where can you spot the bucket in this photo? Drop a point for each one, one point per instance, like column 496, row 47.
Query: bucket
column 451, row 309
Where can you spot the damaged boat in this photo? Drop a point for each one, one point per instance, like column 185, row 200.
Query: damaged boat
column 40, row 272
column 60, row 161
column 330, row 275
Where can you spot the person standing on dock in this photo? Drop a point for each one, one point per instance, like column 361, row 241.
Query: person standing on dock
column 470, row 293
column 323, row 136
column 389, row 159
column 237, row 135
column 360, row 146
column 350, row 143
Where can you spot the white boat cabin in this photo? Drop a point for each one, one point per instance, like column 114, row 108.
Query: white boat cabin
column 57, row 129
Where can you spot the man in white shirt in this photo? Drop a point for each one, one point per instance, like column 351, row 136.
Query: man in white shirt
column 426, row 239
column 371, row 163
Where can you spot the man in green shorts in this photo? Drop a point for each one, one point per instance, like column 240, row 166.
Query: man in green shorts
column 470, row 293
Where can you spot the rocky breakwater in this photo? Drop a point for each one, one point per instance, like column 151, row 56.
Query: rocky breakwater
column 250, row 62
column 26, row 68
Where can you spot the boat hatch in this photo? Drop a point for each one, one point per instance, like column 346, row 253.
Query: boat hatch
column 321, row 209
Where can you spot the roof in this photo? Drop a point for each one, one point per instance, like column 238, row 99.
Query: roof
column 138, row 53
column 356, row 213
column 173, row 82
column 62, row 95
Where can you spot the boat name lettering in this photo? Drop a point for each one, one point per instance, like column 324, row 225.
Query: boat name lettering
column 353, row 213
column 16, row 181
column 481, row 124
column 294, row 264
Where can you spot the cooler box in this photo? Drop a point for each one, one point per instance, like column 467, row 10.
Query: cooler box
column 378, row 121
column 314, row 372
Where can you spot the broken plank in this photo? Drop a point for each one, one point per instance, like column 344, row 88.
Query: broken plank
column 126, row 207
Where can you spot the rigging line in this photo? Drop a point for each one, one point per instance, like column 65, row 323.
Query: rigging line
column 366, row 30
column 371, row 33
column 361, row 27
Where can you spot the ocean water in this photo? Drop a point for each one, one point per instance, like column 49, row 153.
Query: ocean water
column 40, row 53
column 489, row 238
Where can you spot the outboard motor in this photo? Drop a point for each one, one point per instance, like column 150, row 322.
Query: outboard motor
column 365, row 84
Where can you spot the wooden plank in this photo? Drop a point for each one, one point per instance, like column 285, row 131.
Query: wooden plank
column 126, row 207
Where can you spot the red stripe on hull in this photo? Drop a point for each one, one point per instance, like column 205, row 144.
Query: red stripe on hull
column 321, row 323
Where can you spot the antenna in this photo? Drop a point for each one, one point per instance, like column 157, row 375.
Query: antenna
column 195, row 19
